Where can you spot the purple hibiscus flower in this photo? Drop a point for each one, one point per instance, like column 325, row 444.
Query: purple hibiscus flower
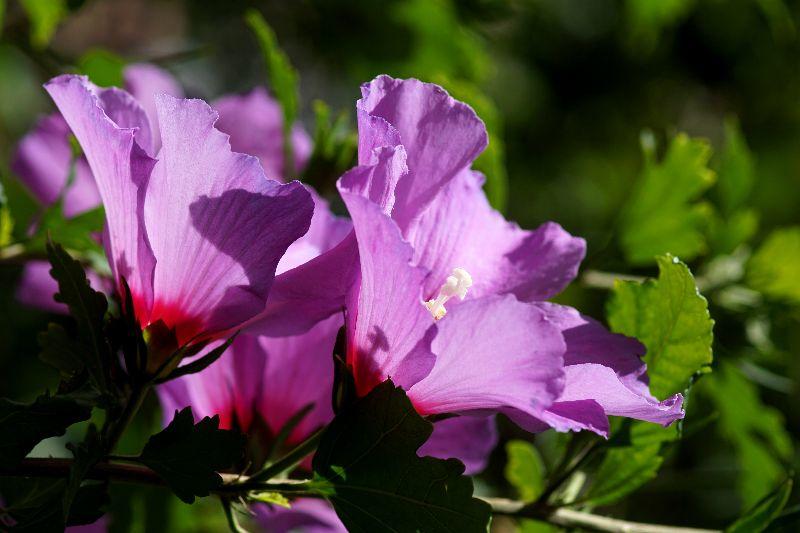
column 449, row 301
column 180, row 224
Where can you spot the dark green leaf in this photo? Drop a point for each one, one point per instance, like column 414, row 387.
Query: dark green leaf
column 671, row 318
column 525, row 469
column 23, row 425
column 188, row 455
column 203, row 362
column 756, row 431
column 367, row 466
column 88, row 307
column 775, row 267
column 34, row 504
column 737, row 170
column 663, row 215
column 60, row 351
column 626, row 468
column 764, row 512
column 89, row 504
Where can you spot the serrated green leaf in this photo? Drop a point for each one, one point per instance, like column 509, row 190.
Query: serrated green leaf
column 775, row 267
column 45, row 16
column 23, row 425
column 663, row 214
column 525, row 469
column 188, row 455
column 88, row 307
column 627, row 467
column 76, row 233
column 671, row 318
column 755, row 430
column 368, row 468
column 764, row 512
column 283, row 79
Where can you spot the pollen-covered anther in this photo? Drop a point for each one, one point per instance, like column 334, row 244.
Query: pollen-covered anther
column 456, row 284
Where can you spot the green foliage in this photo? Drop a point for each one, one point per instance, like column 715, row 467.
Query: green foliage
column 647, row 19
column 35, row 503
column 76, row 233
column 774, row 269
column 188, row 455
column 104, row 68
column 24, row 425
column 525, row 469
column 86, row 455
column 202, row 362
column 671, row 318
column 6, row 221
column 663, row 214
column 283, row 79
column 45, row 16
column 88, row 307
column 764, row 512
column 634, row 458
column 755, row 430
column 335, row 147
column 367, row 467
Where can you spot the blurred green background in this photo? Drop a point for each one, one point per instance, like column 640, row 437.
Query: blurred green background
column 571, row 91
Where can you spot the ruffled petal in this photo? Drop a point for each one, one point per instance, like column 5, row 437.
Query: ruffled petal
column 461, row 229
column 144, row 82
column 389, row 330
column 306, row 514
column 205, row 208
column 441, row 136
column 255, row 123
column 470, row 439
column 492, row 354
column 109, row 126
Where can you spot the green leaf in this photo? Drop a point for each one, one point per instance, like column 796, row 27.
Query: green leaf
column 283, row 79
column 188, row 455
column 756, row 431
column 626, row 468
column 23, row 425
column 775, row 267
column 736, row 174
column 200, row 363
column 525, row 469
column 104, row 68
column 368, row 468
column 671, row 318
column 6, row 220
column 86, row 455
column 88, row 307
column 663, row 214
column 273, row 498
column 60, row 351
column 34, row 504
column 76, row 233
column 44, row 15
column 764, row 512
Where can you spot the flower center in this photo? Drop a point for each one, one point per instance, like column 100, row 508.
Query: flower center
column 456, row 284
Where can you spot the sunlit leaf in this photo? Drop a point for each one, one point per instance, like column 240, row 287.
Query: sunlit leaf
column 367, row 467
column 774, row 269
column 45, row 16
column 525, row 469
column 663, row 214
column 671, row 318
column 104, row 68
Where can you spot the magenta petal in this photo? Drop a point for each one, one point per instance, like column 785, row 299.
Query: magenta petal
column 42, row 162
column 108, row 124
column 306, row 514
column 493, row 353
column 441, row 136
column 378, row 180
column 389, row 329
column 144, row 81
column 255, row 123
column 469, row 439
column 461, row 229
column 206, row 206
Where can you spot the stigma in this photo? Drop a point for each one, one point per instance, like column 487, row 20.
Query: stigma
column 456, row 284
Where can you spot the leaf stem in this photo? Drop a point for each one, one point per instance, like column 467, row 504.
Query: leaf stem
column 289, row 460
column 117, row 427
column 236, row 484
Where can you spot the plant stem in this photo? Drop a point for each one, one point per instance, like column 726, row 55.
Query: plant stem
column 118, row 427
column 290, row 460
column 236, row 484
column 570, row 518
